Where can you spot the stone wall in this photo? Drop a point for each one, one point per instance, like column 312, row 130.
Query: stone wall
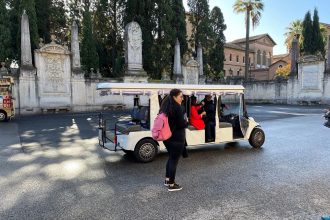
column 52, row 86
column 266, row 92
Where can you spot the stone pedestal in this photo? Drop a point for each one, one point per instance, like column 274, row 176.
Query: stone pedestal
column 190, row 72
column 308, row 88
column 54, row 76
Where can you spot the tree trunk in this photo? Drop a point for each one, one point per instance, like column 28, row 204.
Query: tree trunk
column 247, row 49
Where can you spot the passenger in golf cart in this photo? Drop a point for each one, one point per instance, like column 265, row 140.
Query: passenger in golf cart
column 196, row 118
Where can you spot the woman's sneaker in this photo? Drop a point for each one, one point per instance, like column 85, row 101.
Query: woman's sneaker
column 166, row 182
column 174, row 187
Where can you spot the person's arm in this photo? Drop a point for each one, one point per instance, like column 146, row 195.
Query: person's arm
column 194, row 112
column 180, row 122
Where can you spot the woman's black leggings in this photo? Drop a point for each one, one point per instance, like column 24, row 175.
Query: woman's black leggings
column 174, row 150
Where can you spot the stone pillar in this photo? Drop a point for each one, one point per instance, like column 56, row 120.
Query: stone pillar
column 26, row 55
column 27, row 92
column 328, row 57
column 134, row 71
column 177, row 58
column 76, row 65
column 177, row 69
column 200, row 66
column 294, row 57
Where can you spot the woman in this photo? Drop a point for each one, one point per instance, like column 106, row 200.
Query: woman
column 171, row 106
column 195, row 118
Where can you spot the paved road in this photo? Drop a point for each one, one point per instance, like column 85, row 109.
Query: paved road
column 52, row 168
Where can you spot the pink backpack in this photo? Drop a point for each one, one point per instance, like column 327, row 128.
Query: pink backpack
column 161, row 130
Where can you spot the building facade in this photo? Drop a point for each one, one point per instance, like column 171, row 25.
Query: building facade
column 260, row 57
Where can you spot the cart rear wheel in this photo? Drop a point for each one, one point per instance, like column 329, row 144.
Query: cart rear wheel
column 257, row 138
column 3, row 116
column 146, row 150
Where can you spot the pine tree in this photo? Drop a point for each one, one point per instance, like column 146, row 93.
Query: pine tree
column 201, row 29
column 216, row 54
column 29, row 7
column 5, row 36
column 199, row 19
column 307, row 33
column 165, row 38
column 89, row 56
column 115, row 39
column 318, row 43
column 58, row 20
column 76, row 8
column 43, row 8
column 14, row 18
column 101, row 28
column 179, row 24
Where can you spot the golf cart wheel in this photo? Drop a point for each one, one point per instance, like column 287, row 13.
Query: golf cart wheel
column 145, row 150
column 3, row 116
column 257, row 138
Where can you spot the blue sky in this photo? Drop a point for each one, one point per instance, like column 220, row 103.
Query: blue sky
column 277, row 15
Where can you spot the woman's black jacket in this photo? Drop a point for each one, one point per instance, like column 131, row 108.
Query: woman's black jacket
column 177, row 124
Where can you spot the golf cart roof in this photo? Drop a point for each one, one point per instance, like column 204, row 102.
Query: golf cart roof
column 156, row 88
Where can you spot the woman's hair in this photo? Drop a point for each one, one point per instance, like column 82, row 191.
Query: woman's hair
column 193, row 100
column 168, row 102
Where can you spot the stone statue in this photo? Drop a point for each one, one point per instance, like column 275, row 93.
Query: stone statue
column 133, row 54
column 133, row 37
column 3, row 69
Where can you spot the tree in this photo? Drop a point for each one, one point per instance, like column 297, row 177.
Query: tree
column 163, row 49
column 307, row 32
column 293, row 31
column 58, row 21
column 199, row 18
column 252, row 9
column 283, row 72
column 318, row 43
column 179, row 24
column 115, row 39
column 29, row 7
column 43, row 18
column 217, row 55
column 14, row 18
column 101, row 33
column 89, row 56
column 76, row 8
column 5, row 36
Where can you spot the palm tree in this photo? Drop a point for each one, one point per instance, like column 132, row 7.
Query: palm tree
column 294, row 31
column 252, row 9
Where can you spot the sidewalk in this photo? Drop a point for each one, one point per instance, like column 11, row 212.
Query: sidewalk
column 9, row 139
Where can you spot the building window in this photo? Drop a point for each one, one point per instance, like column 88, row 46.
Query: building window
column 270, row 59
column 229, row 57
column 258, row 57
column 264, row 58
column 237, row 72
column 243, row 59
column 230, row 72
column 237, row 58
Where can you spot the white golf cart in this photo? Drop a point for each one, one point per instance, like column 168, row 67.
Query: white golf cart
column 133, row 134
